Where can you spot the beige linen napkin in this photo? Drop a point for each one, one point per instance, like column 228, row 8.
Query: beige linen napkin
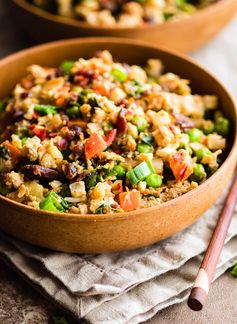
column 127, row 287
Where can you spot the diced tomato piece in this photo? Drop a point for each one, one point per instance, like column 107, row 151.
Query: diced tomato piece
column 15, row 153
column 111, row 136
column 94, row 146
column 38, row 131
column 130, row 200
column 181, row 165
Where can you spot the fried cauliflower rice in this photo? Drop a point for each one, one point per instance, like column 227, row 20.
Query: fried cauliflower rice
column 123, row 13
column 98, row 136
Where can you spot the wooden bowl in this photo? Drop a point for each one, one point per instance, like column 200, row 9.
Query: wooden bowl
column 184, row 35
column 123, row 231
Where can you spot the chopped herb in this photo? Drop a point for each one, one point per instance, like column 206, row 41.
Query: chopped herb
column 106, row 207
column 91, row 180
column 148, row 139
column 65, row 191
column 4, row 153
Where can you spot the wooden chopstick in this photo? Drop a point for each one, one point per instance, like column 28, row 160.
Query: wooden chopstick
column 207, row 269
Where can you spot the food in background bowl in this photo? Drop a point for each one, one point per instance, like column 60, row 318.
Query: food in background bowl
column 98, row 136
column 123, row 13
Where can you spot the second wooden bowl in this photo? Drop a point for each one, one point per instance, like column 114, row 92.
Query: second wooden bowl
column 184, row 35
column 123, row 231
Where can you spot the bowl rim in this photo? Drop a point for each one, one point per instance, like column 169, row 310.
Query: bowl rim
column 67, row 21
column 132, row 214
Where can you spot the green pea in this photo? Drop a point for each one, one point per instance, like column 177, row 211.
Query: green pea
column 140, row 122
column 199, row 173
column 200, row 153
column 154, row 180
column 120, row 171
column 66, row 66
column 209, row 128
column 144, row 148
column 73, row 111
column 119, row 75
column 222, row 126
column 195, row 135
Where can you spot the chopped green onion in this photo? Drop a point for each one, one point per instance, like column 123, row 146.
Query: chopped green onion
column 154, row 180
column 67, row 66
column 54, row 203
column 132, row 177
column 144, row 148
column 140, row 172
column 46, row 109
column 119, row 75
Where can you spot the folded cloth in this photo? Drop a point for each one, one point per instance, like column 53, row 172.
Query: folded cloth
column 127, row 287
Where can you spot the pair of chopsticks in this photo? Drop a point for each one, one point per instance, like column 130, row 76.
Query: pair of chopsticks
column 207, row 269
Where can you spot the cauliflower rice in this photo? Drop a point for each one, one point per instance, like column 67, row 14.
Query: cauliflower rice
column 99, row 136
column 123, row 13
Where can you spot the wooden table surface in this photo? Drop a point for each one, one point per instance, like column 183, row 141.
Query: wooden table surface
column 20, row 303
